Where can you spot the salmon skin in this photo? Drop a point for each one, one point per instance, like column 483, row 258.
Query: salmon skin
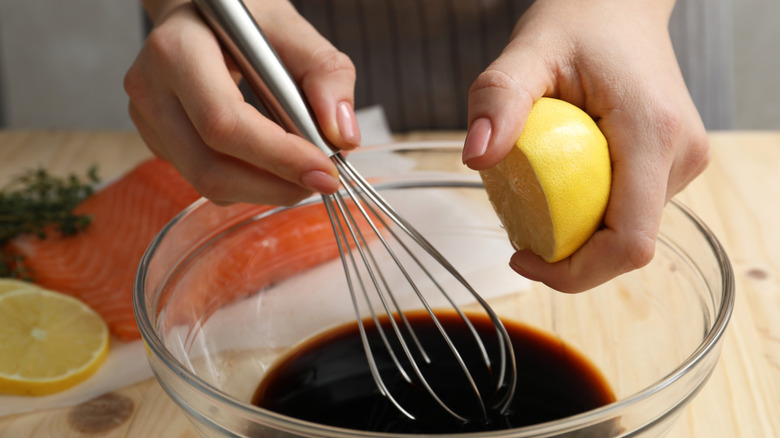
column 98, row 265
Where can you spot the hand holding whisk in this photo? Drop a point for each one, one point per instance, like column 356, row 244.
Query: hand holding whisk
column 374, row 239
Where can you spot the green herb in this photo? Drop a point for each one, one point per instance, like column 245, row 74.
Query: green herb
column 38, row 203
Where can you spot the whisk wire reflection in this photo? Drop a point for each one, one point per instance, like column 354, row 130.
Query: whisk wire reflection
column 365, row 275
column 348, row 259
column 343, row 219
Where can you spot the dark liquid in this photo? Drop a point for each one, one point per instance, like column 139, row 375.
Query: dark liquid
column 327, row 381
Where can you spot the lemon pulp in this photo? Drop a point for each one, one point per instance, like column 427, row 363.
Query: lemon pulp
column 48, row 341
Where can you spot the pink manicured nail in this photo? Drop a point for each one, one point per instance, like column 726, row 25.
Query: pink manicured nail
column 347, row 122
column 477, row 139
column 320, row 181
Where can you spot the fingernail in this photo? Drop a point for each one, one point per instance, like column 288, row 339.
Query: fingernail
column 347, row 122
column 320, row 181
column 477, row 139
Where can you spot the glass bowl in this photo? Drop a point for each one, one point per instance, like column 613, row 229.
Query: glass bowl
column 220, row 296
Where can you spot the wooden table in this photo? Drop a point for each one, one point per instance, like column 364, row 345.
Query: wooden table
column 738, row 196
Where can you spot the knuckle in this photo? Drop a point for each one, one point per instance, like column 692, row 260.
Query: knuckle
column 217, row 126
column 211, row 186
column 666, row 123
column 137, row 83
column 681, row 138
column 134, row 83
column 698, row 154
column 331, row 61
column 494, row 78
column 160, row 46
column 162, row 42
column 157, row 51
column 640, row 250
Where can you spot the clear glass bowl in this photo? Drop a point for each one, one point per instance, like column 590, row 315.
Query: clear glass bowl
column 215, row 321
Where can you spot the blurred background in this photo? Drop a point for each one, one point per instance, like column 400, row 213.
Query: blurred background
column 62, row 62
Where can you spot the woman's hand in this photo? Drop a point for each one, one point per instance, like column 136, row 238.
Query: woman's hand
column 186, row 104
column 615, row 60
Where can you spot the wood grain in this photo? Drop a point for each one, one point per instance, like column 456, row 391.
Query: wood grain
column 737, row 197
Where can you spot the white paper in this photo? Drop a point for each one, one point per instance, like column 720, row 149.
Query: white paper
column 125, row 365
column 374, row 128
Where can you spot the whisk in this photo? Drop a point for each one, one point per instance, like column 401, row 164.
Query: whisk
column 357, row 209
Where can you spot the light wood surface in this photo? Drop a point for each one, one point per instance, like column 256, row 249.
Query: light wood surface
column 738, row 197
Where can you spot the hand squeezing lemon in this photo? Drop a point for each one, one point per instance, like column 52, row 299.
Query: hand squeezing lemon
column 551, row 191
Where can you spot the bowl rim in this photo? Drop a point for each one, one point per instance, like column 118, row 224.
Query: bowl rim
column 155, row 346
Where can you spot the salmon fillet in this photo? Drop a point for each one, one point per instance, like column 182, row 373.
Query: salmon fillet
column 249, row 258
column 98, row 265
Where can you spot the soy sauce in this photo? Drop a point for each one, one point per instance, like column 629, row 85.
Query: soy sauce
column 327, row 380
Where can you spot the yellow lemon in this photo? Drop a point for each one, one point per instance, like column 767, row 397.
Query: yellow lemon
column 48, row 341
column 551, row 191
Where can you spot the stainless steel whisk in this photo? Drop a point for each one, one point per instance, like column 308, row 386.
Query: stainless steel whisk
column 355, row 209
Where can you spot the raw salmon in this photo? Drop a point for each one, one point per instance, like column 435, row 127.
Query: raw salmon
column 246, row 259
column 98, row 266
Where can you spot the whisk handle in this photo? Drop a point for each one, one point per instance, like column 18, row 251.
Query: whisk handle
column 262, row 68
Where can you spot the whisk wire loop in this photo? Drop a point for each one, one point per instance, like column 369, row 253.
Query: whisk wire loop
column 349, row 263
column 367, row 200
column 370, row 197
column 369, row 263
column 378, row 272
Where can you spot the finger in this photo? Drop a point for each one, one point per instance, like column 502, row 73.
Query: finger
column 231, row 126
column 325, row 75
column 166, row 129
column 221, row 178
column 147, row 133
column 608, row 253
column 692, row 157
column 500, row 100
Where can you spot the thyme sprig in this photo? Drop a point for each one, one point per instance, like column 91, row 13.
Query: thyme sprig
column 36, row 202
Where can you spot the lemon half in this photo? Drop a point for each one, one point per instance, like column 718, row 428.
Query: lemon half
column 551, row 191
column 49, row 341
column 11, row 284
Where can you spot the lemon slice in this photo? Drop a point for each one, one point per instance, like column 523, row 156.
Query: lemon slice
column 48, row 341
column 9, row 284
column 551, row 191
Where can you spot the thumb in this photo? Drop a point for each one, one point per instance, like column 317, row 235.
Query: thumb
column 500, row 100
